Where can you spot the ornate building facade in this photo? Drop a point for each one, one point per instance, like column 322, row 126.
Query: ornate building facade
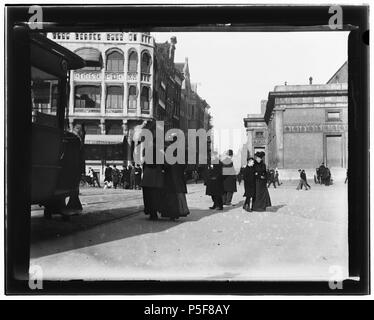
column 133, row 81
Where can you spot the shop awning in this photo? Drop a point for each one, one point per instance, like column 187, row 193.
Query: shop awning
column 91, row 56
column 103, row 139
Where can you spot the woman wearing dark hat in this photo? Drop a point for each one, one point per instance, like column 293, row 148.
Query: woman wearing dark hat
column 262, row 194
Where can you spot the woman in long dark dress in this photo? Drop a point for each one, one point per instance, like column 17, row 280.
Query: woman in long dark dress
column 214, row 183
column 262, row 194
column 174, row 192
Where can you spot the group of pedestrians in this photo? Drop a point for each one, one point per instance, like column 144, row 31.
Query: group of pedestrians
column 128, row 178
column 221, row 182
column 323, row 175
column 256, row 192
column 164, row 189
column 273, row 178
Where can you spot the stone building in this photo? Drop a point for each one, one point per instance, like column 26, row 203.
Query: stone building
column 137, row 83
column 305, row 125
column 113, row 99
column 194, row 113
column 257, row 132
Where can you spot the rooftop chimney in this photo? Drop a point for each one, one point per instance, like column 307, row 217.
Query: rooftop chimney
column 310, row 80
column 173, row 41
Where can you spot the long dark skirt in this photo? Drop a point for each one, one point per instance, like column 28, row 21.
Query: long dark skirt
column 174, row 205
column 262, row 199
column 152, row 198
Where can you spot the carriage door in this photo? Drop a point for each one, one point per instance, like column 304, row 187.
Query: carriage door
column 334, row 151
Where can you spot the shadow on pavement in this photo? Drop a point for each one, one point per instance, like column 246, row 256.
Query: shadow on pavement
column 275, row 208
column 55, row 236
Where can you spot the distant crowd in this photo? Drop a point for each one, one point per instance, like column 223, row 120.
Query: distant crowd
column 129, row 177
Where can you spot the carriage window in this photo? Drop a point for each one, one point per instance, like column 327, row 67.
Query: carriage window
column 44, row 97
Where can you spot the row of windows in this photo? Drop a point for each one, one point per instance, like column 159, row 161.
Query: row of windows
column 90, row 97
column 115, row 60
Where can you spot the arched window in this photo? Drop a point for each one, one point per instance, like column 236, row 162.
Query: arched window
column 146, row 62
column 91, row 56
column 114, row 97
column 114, row 62
column 144, row 99
column 133, row 62
column 132, row 98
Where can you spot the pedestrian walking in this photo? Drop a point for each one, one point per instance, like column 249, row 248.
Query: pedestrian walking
column 74, row 202
column 174, row 192
column 229, row 178
column 262, row 199
column 240, row 175
column 115, row 176
column 214, row 182
column 96, row 178
column 303, row 174
column 153, row 182
column 132, row 176
column 249, row 185
column 271, row 178
column 138, row 176
column 195, row 176
column 302, row 181
column 108, row 177
column 276, row 177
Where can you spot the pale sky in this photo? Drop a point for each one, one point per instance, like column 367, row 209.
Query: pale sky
column 236, row 70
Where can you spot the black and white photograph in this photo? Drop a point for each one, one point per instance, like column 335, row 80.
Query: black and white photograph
column 184, row 153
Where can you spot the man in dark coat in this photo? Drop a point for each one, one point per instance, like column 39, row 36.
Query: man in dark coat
column 115, row 176
column 229, row 178
column 303, row 176
column 107, row 175
column 214, row 182
column 276, row 177
column 249, row 185
column 271, row 178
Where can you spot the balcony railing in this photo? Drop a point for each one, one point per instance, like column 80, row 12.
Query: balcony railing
column 103, row 37
column 132, row 76
column 114, row 76
column 87, row 75
column 146, row 77
column 113, row 110
column 87, row 110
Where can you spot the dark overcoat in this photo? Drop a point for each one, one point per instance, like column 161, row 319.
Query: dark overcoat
column 229, row 176
column 214, row 183
column 153, row 176
column 262, row 199
column 249, row 182
column 174, row 178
